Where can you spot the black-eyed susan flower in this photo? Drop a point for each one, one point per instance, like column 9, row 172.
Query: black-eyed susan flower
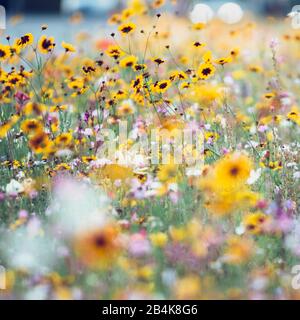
column 162, row 86
column 235, row 52
column 128, row 62
column 294, row 115
column 233, row 170
column 114, row 52
column 127, row 28
column 68, row 47
column 99, row 248
column 206, row 70
column 198, row 44
column 39, row 142
column 115, row 19
column 24, row 41
column 63, row 140
column 140, row 67
column 62, row 167
column 158, row 61
column 178, row 75
column 46, row 44
column 224, row 60
column 88, row 159
column 4, row 52
column 254, row 222
column 31, row 126
column 58, row 108
column 34, row 108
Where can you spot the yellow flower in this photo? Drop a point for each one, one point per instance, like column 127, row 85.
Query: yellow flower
column 205, row 70
column 99, row 248
column 198, row 44
column 64, row 140
column 4, row 52
column 68, row 47
column 233, row 170
column 30, row 126
column 159, row 239
column 24, row 41
column 76, row 83
column 294, row 115
column 161, row 86
column 239, row 250
column 88, row 159
column 114, row 52
column 125, row 109
column 46, row 45
column 128, row 62
column 39, row 142
column 62, row 167
column 116, row 172
column 223, row 61
column 34, row 108
column 127, row 28
column 199, row 26
column 168, row 173
column 188, row 288
column 254, row 222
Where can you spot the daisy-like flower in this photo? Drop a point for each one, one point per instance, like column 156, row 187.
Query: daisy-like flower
column 68, row 47
column 99, row 248
column 162, row 86
column 64, row 139
column 127, row 28
column 198, row 44
column 223, row 61
column 4, row 52
column 30, row 126
column 39, row 142
column 254, row 222
column 114, row 52
column 206, row 70
column 233, row 170
column 46, row 44
column 24, row 41
column 158, row 61
column 128, row 62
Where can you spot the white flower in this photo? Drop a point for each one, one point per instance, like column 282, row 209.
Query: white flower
column 78, row 206
column 14, row 187
column 296, row 175
column 254, row 176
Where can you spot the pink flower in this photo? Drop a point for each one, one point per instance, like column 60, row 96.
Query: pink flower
column 139, row 245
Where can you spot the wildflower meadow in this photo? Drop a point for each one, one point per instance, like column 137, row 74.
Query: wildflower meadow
column 155, row 159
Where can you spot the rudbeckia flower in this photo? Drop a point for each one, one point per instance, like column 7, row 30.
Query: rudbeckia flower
column 205, row 71
column 24, row 41
column 68, row 47
column 4, row 52
column 45, row 44
column 127, row 28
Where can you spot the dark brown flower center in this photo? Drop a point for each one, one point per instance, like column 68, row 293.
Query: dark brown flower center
column 234, row 171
